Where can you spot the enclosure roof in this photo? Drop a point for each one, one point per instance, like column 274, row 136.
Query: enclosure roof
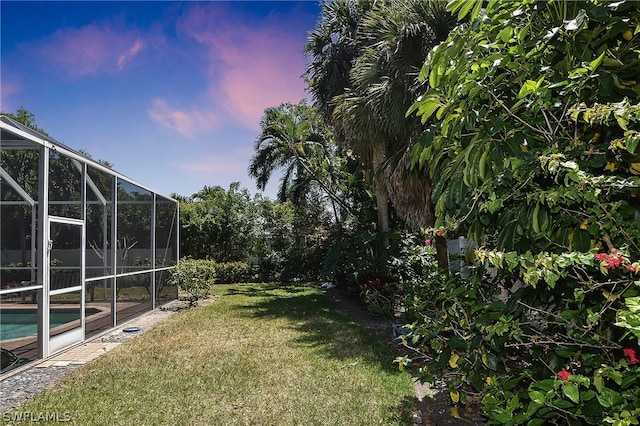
column 14, row 134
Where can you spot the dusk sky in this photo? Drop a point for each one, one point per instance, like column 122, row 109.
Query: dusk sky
column 170, row 93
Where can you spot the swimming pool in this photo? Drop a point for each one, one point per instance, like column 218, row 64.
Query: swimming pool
column 16, row 323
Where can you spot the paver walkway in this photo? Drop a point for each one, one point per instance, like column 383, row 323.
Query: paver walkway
column 79, row 354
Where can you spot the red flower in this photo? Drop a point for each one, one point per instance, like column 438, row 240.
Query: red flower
column 631, row 354
column 613, row 262
column 564, row 374
column 439, row 233
column 610, row 262
column 427, row 242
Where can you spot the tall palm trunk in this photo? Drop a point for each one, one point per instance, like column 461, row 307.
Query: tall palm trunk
column 382, row 197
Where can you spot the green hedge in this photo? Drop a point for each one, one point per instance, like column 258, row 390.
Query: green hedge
column 196, row 276
column 232, row 272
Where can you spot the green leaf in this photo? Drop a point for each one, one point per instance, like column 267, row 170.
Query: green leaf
column 434, row 78
column 562, row 403
column 633, row 304
column 490, row 361
column 632, row 144
column 580, row 379
column 513, row 403
column 630, row 318
column 537, row 397
column 496, row 125
column 457, row 343
column 424, row 156
column 622, row 121
column 608, row 398
column 510, row 384
column 616, row 376
column 427, row 107
column 577, row 72
column 545, row 385
column 593, row 65
column 628, row 381
column 581, row 240
column 463, row 7
column 600, row 13
column 476, row 9
column 426, row 139
column 606, row 82
column 523, row 32
column 528, row 87
column 505, row 34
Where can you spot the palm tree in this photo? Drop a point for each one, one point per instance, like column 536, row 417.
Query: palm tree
column 382, row 45
column 294, row 139
column 334, row 46
column 384, row 78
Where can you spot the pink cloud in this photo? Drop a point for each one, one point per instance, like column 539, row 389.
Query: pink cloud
column 187, row 123
column 251, row 65
column 131, row 53
column 260, row 76
column 91, row 49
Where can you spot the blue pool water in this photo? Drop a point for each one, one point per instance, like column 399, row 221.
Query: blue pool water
column 16, row 323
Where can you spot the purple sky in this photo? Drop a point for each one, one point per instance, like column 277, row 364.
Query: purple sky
column 170, row 93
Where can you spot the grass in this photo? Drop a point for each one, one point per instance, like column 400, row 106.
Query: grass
column 259, row 355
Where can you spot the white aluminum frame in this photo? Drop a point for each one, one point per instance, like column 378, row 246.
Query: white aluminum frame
column 40, row 257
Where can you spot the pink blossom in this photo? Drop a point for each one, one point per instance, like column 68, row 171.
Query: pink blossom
column 631, row 354
column 613, row 262
column 439, row 233
column 427, row 242
column 614, row 251
column 564, row 374
column 610, row 262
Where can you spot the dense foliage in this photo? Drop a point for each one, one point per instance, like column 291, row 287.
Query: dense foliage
column 281, row 241
column 532, row 122
column 217, row 224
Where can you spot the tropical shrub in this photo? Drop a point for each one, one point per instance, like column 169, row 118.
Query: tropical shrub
column 232, row 272
column 532, row 119
column 194, row 277
column 571, row 358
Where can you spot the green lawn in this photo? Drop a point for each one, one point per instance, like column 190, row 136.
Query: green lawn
column 259, row 355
